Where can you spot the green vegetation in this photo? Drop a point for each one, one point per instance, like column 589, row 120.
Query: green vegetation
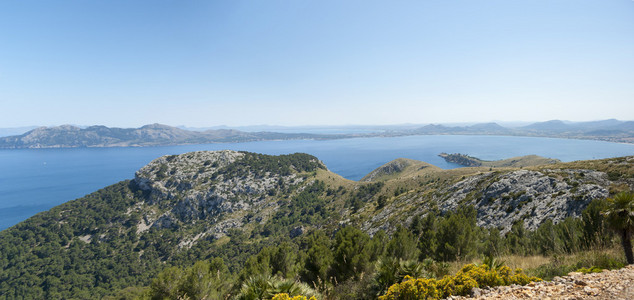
column 72, row 251
column 353, row 265
column 469, row 277
column 295, row 240
column 261, row 165
column 284, row 296
column 619, row 213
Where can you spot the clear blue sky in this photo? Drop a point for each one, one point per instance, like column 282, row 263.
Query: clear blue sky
column 295, row 62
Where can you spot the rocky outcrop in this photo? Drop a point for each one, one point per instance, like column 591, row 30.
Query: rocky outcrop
column 531, row 196
column 206, row 194
column 502, row 198
column 195, row 186
column 609, row 284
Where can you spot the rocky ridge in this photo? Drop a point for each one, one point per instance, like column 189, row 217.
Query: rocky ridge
column 532, row 196
column 206, row 186
column 503, row 197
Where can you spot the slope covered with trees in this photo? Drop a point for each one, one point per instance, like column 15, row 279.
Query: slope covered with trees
column 248, row 226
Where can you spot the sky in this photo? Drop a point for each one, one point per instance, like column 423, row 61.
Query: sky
column 297, row 62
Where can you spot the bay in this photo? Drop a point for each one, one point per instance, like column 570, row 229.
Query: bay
column 34, row 180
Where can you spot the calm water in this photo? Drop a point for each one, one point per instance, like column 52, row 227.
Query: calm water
column 34, row 180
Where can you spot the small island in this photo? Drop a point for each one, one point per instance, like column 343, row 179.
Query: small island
column 520, row 161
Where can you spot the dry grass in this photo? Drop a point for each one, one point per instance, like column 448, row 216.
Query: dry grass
column 333, row 179
column 589, row 258
column 512, row 261
column 525, row 262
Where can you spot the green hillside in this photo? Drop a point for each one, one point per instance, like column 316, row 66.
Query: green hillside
column 244, row 217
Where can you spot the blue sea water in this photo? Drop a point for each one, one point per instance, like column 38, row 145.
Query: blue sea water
column 34, row 180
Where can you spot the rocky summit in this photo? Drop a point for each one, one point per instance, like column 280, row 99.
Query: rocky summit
column 216, row 187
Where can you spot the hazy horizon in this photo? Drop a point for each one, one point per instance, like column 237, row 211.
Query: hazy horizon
column 502, row 123
column 512, row 122
column 322, row 63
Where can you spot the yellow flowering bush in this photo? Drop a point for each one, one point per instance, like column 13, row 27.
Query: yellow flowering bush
column 421, row 288
column 285, row 296
column 460, row 284
column 483, row 274
column 505, row 273
column 469, row 277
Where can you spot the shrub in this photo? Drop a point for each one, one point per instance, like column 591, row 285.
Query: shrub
column 285, row 296
column 590, row 270
column 421, row 288
column 469, row 277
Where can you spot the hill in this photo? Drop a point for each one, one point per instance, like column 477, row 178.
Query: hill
column 176, row 207
column 398, row 167
column 68, row 136
column 239, row 206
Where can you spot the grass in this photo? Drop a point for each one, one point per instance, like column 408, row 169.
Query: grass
column 560, row 265
column 411, row 168
column 525, row 262
column 617, row 165
column 520, row 161
column 547, row 267
column 333, row 180
column 512, row 261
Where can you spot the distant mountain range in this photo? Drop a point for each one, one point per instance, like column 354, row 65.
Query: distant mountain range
column 607, row 130
column 67, row 136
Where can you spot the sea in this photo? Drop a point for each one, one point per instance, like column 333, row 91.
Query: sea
column 35, row 180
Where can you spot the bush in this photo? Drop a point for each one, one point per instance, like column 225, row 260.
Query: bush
column 590, row 270
column 421, row 288
column 285, row 296
column 469, row 277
